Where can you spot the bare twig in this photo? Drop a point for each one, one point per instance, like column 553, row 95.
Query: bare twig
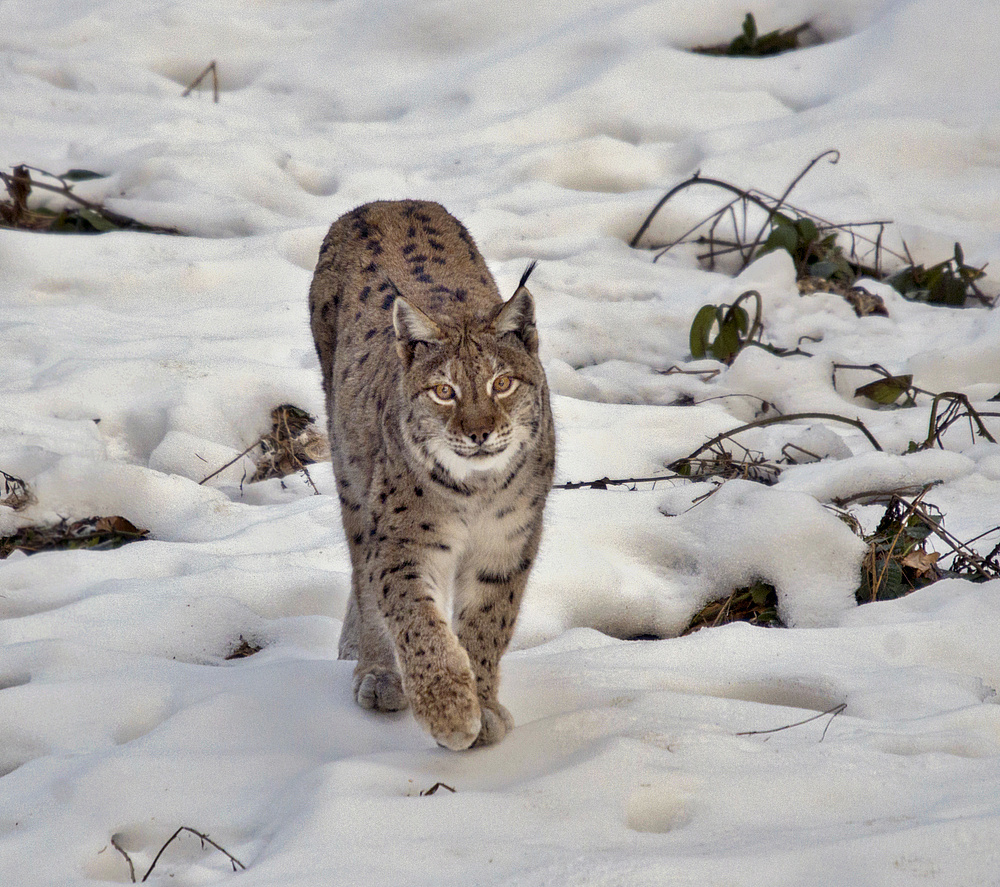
column 210, row 69
column 834, row 156
column 205, row 839
column 774, row 420
column 232, row 461
column 951, row 414
column 836, row 710
column 705, row 374
column 128, row 859
column 604, row 482
column 697, row 178
column 427, row 792
column 771, row 206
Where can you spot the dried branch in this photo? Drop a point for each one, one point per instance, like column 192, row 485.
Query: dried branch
column 205, row 839
column 232, row 461
column 21, row 179
column 772, row 207
column 697, row 179
column 834, row 156
column 210, row 69
column 774, row 420
column 836, row 710
column 603, row 483
column 128, row 859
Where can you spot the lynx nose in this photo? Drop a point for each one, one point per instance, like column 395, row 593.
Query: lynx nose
column 477, row 428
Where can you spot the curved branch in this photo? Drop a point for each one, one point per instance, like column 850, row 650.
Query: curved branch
column 696, row 179
column 791, row 185
column 774, row 420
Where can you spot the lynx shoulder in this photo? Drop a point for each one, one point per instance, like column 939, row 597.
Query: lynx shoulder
column 443, row 449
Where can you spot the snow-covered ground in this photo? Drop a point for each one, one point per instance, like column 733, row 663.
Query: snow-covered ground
column 131, row 365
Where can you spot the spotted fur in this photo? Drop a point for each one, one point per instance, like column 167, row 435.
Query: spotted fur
column 443, row 449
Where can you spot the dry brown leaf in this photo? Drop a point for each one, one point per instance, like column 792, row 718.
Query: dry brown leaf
column 922, row 562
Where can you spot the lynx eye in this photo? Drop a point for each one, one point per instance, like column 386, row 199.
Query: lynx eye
column 504, row 384
column 442, row 392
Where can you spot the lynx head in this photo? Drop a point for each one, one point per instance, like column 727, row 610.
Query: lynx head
column 475, row 392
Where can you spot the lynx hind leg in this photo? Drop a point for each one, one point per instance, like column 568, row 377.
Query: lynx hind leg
column 377, row 682
column 379, row 688
column 350, row 633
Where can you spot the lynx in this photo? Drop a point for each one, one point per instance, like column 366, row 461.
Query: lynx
column 443, row 450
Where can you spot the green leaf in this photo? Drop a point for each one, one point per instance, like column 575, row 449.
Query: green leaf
column 727, row 344
column 892, row 585
column 81, row 175
column 781, row 237
column 905, row 280
column 737, row 315
column 948, row 290
column 825, row 270
column 886, row 391
column 807, row 230
column 760, row 592
column 701, row 327
column 97, row 221
column 917, row 531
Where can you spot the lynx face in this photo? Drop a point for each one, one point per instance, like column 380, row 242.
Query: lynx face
column 475, row 403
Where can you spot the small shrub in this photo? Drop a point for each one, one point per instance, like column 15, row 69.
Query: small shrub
column 751, row 44
column 722, row 331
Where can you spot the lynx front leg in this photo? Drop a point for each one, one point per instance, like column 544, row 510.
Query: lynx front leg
column 485, row 625
column 439, row 684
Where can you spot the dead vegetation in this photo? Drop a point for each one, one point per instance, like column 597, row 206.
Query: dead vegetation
column 93, row 533
column 243, row 648
column 756, row 604
column 751, row 44
column 293, row 443
column 77, row 216
column 909, row 548
column 830, row 256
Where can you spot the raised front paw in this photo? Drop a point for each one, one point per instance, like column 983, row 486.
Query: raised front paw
column 445, row 704
column 379, row 688
column 497, row 721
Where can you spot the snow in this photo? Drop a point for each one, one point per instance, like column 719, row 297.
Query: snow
column 133, row 365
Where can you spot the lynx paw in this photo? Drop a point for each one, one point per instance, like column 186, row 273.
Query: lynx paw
column 449, row 710
column 380, row 689
column 497, row 721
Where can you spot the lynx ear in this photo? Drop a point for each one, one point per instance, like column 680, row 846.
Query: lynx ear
column 412, row 326
column 517, row 316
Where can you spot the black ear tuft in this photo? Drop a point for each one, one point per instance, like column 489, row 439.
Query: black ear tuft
column 517, row 316
column 527, row 274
